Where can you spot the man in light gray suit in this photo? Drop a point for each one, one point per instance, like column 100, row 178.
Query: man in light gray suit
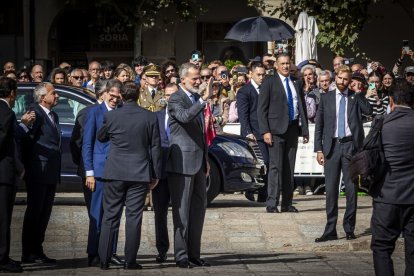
column 187, row 166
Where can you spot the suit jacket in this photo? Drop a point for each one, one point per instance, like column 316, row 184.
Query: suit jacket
column 76, row 140
column 188, row 147
column 326, row 120
column 7, row 145
column 135, row 151
column 41, row 149
column 272, row 108
column 397, row 141
column 94, row 152
column 247, row 99
column 165, row 143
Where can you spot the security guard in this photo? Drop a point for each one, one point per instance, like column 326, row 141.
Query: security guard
column 151, row 97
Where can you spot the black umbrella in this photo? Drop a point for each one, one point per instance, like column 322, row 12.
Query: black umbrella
column 260, row 28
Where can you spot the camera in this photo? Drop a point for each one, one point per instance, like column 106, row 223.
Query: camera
column 270, row 72
column 224, row 75
column 348, row 61
column 195, row 57
column 406, row 47
column 241, row 70
column 372, row 86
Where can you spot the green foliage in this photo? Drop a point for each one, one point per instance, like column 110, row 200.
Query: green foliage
column 339, row 21
column 229, row 63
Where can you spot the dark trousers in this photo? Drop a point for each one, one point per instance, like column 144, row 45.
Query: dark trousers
column 282, row 156
column 40, row 199
column 387, row 223
column 189, row 203
column 262, row 192
column 337, row 161
column 95, row 219
column 7, row 196
column 161, row 201
column 115, row 195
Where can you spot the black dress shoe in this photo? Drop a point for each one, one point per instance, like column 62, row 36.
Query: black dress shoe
column 249, row 196
column 93, row 260
column 104, row 266
column 350, row 236
column 198, row 262
column 272, row 210
column 161, row 257
column 11, row 267
column 14, row 261
column 132, row 266
column 35, row 258
column 326, row 238
column 289, row 209
column 115, row 260
column 183, row 264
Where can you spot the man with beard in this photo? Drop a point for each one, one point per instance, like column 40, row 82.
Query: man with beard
column 187, row 165
column 338, row 135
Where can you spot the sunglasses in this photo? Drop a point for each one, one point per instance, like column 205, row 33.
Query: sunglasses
column 78, row 77
column 205, row 77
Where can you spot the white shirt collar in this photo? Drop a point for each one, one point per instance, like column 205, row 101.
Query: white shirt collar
column 108, row 107
column 339, row 92
column 45, row 109
column 189, row 94
column 4, row 100
column 255, row 85
column 283, row 77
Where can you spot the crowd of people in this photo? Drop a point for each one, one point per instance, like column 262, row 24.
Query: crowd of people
column 178, row 111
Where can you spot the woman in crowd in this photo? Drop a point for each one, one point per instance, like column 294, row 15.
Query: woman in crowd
column 168, row 69
column 122, row 74
column 377, row 97
column 233, row 115
column 219, row 108
column 128, row 69
column 387, row 80
column 58, row 76
column 23, row 75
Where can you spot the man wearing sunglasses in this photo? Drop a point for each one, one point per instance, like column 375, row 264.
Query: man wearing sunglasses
column 76, row 77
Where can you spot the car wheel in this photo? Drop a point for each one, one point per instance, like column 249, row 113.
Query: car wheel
column 213, row 182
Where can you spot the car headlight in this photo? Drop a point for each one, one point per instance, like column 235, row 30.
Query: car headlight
column 234, row 149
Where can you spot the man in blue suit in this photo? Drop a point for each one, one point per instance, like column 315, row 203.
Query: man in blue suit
column 247, row 98
column 94, row 154
column 161, row 193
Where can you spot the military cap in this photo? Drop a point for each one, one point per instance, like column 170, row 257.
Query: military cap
column 152, row 70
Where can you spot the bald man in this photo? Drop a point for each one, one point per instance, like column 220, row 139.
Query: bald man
column 9, row 66
column 37, row 73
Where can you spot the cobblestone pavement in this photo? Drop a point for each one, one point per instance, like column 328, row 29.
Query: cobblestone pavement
column 239, row 238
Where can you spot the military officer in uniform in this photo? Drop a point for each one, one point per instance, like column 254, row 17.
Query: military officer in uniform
column 151, row 97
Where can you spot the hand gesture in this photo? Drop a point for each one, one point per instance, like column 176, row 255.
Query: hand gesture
column 90, row 183
column 28, row 118
column 209, row 91
column 320, row 158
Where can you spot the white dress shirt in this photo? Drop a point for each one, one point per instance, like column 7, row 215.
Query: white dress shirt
column 255, row 86
column 338, row 100
column 294, row 94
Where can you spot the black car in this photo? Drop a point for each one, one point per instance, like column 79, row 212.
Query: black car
column 236, row 163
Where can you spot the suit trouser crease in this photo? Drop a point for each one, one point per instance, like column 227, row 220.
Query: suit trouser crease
column 387, row 223
column 7, row 197
column 95, row 219
column 262, row 192
column 189, row 202
column 161, row 201
column 116, row 193
column 282, row 156
column 40, row 199
column 336, row 161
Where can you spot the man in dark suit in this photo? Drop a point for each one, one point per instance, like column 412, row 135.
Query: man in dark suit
column 187, row 166
column 41, row 152
column 247, row 98
column 338, row 135
column 10, row 168
column 281, row 113
column 133, row 164
column 161, row 193
column 393, row 206
column 94, row 154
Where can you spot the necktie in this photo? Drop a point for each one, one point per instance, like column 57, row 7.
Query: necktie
column 152, row 93
column 290, row 100
column 167, row 129
column 258, row 89
column 52, row 118
column 192, row 98
column 341, row 117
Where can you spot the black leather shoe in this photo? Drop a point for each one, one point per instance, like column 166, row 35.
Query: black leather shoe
column 161, row 257
column 132, row 266
column 272, row 210
column 93, row 260
column 183, row 264
column 350, row 236
column 115, row 260
column 198, row 262
column 326, row 238
column 11, row 267
column 34, row 258
column 14, row 262
column 104, row 266
column 289, row 209
column 249, row 196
